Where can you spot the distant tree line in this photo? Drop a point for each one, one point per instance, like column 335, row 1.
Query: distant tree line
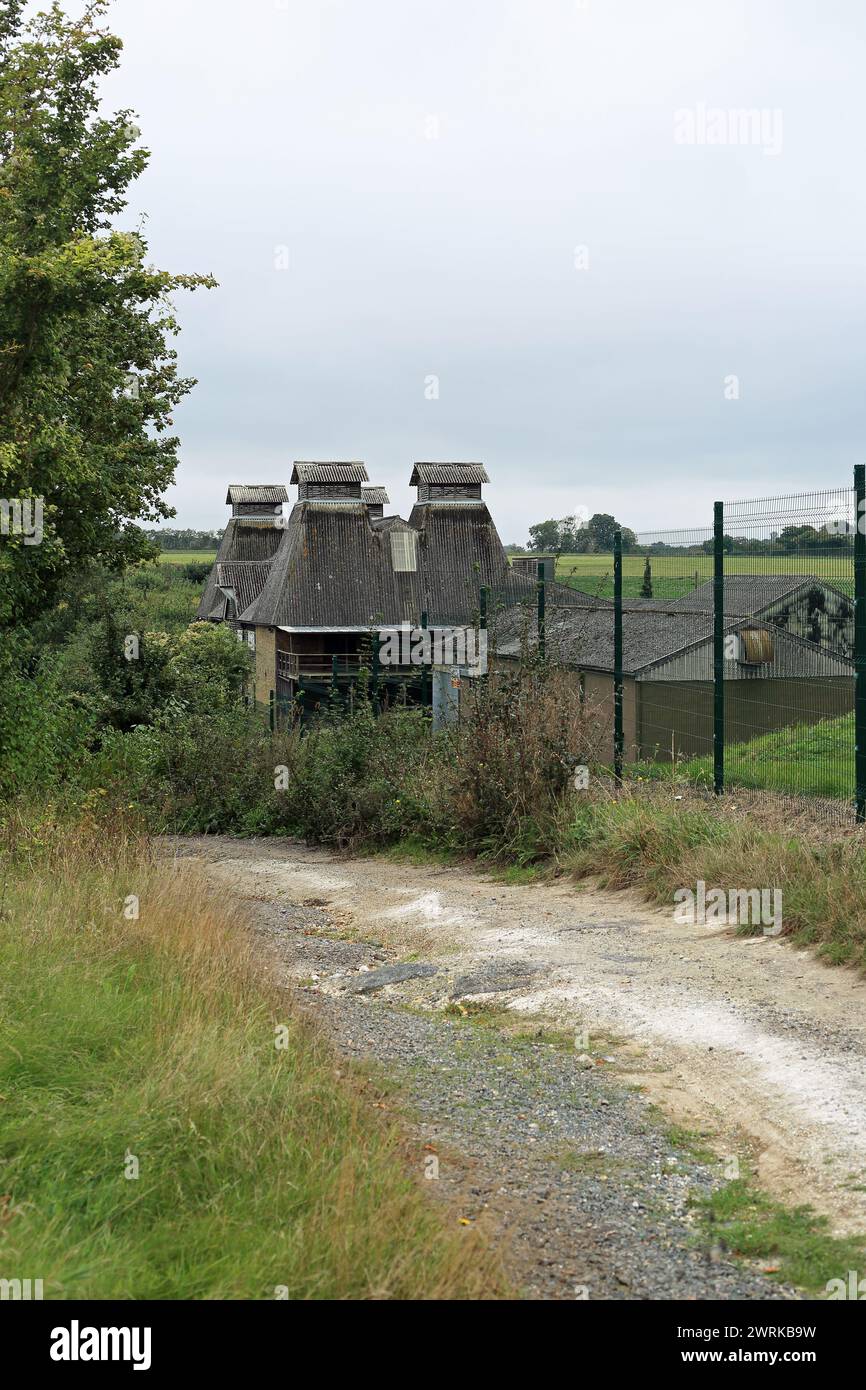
column 572, row 536
column 170, row 539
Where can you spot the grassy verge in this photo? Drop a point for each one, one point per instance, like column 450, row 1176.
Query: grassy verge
column 640, row 842
column 155, row 1142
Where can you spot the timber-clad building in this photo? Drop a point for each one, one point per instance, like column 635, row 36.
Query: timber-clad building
column 309, row 590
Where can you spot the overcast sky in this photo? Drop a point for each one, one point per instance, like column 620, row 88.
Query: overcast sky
column 528, row 200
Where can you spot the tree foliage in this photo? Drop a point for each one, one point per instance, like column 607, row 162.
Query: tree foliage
column 573, row 536
column 88, row 376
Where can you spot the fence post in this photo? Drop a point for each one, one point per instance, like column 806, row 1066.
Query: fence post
column 860, row 640
column 271, row 701
column 718, row 648
column 542, row 621
column 618, row 741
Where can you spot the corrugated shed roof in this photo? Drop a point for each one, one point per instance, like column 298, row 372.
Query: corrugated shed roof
column 246, row 578
column 329, row 472
column 583, row 637
column 444, row 473
column 334, row 570
column 375, row 495
column 749, row 593
column 244, row 539
column 268, row 493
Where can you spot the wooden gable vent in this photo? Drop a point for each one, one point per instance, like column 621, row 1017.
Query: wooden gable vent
column 756, row 646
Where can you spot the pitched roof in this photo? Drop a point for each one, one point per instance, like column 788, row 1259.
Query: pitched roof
column 583, row 637
column 445, row 473
column 245, row 579
column 374, row 495
column 334, row 569
column 329, row 472
column 461, row 553
column 245, row 539
column 748, row 593
column 256, row 492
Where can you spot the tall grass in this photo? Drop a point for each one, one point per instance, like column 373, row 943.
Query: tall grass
column 150, row 1041
column 638, row 840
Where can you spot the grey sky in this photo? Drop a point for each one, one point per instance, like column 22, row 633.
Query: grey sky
column 308, row 126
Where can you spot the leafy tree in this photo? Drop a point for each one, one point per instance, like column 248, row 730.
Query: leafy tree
column 209, row 667
column 169, row 539
column 546, row 537
column 602, row 527
column 88, row 379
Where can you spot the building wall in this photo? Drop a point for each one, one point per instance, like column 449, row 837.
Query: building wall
column 266, row 664
column 680, row 715
column 528, row 564
column 598, row 690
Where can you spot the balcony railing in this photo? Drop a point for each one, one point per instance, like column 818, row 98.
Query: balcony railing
column 321, row 666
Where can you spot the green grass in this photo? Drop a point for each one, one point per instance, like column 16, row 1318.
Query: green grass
column 186, row 557
column 676, row 575
column 641, row 841
column 258, row 1169
column 793, row 1244
column 806, row 759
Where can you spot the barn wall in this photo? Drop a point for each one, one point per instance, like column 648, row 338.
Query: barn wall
column 598, row 690
column 684, row 712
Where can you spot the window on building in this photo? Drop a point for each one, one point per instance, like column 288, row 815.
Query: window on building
column 404, row 556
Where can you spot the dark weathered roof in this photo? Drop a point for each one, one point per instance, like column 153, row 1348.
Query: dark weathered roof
column 444, row 473
column 268, row 493
column 334, row 570
column 461, row 553
column 375, row 495
column 328, row 472
column 245, row 579
column 584, row 636
column 749, row 593
column 245, row 539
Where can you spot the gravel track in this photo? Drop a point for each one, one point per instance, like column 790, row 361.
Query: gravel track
column 553, row 1150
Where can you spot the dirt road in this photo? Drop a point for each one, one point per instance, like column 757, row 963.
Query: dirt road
column 745, row 1039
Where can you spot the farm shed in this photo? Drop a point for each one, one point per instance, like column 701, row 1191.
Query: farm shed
column 802, row 604
column 773, row 678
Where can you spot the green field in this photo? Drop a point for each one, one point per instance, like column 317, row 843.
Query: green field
column 186, row 557
column 675, row 575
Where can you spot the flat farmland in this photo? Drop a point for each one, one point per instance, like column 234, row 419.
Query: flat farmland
column 675, row 575
column 186, row 557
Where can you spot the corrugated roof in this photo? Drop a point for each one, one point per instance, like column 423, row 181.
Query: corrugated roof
column 334, row 570
column 748, row 593
column 329, row 472
column 461, row 552
column 375, row 495
column 246, row 578
column 583, row 637
column 244, row 539
column 444, row 473
column 268, row 493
